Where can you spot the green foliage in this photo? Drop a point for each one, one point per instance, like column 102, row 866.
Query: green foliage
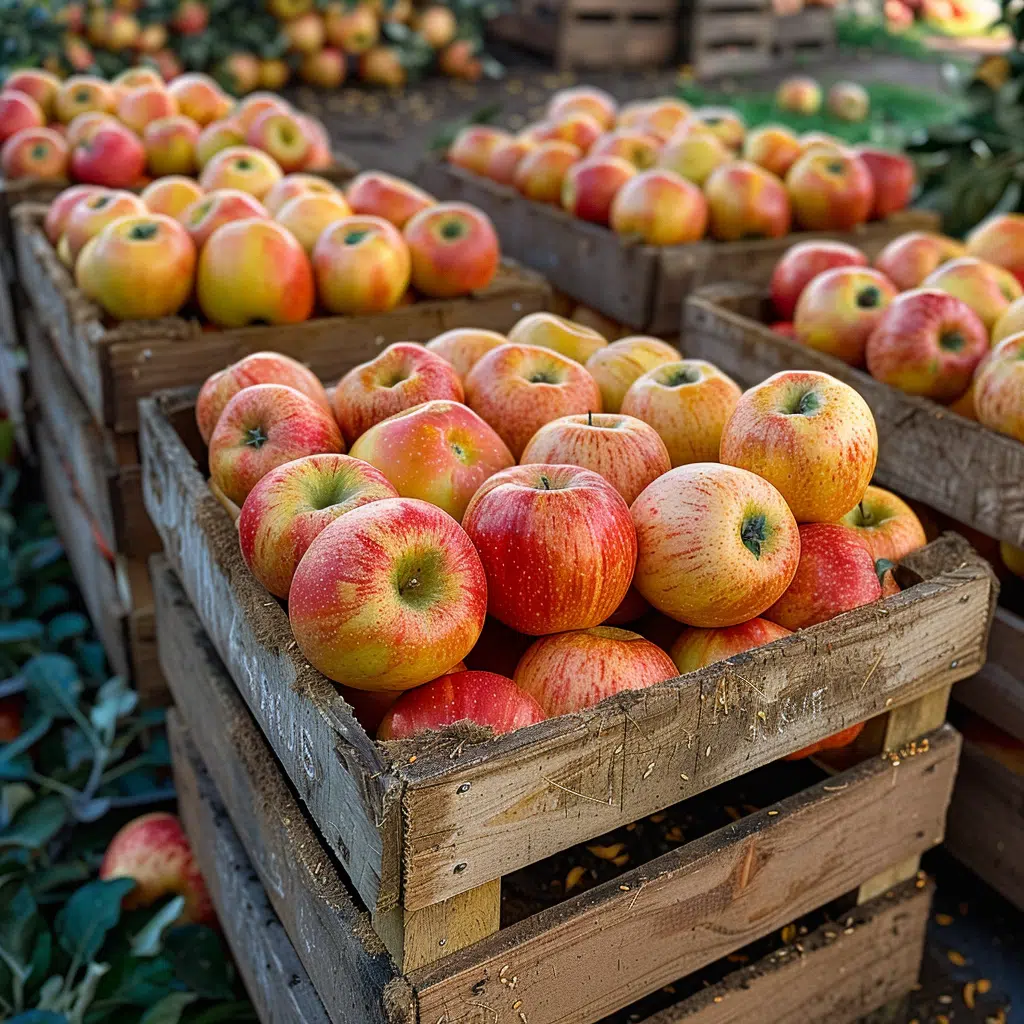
column 29, row 33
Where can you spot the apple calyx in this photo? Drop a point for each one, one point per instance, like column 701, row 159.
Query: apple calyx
column 753, row 533
column 144, row 232
column 869, row 298
column 355, row 236
column 452, row 229
column 951, row 341
column 679, row 375
column 39, row 150
column 806, row 405
column 255, row 438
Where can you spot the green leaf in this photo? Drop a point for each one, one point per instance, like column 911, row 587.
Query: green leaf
column 150, row 938
column 39, row 1017
column 138, row 982
column 20, row 631
column 200, row 960
column 35, row 825
column 113, row 701
column 48, row 597
column 66, row 626
column 53, row 679
column 21, row 923
column 13, row 797
column 169, row 1009
column 12, row 597
column 91, row 912
column 68, row 872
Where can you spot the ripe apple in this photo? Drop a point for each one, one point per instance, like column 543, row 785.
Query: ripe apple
column 439, row 451
column 894, row 179
column 388, row 596
column 661, row 208
column 292, row 185
column 138, row 107
column 81, row 93
column 464, row 347
column 557, row 546
column 1000, row 240
column 279, row 134
column 723, row 122
column 154, row 851
column 83, row 126
column 801, row 264
column 822, row 142
column 687, row 402
column 584, row 99
column 830, row 191
column 453, row 248
column 262, row 427
column 216, row 137
column 207, row 213
column 799, row 95
column 241, row 167
column 627, row 452
column 987, row 289
column 927, row 343
column 61, row 207
column 172, row 195
column 589, row 187
column 566, row 337
column 580, row 129
column 1011, row 322
column 382, row 195
column 746, row 201
column 616, row 366
column 887, row 526
column 149, row 247
column 540, row 172
column 41, row 85
column 351, row 29
column 505, row 158
column 34, row 153
column 837, row 740
column 849, row 101
column 640, row 149
column 18, row 112
column 171, row 145
column 292, row 504
column 836, row 572
column 519, row 388
column 93, row 213
column 908, row 260
column 1013, row 558
column 839, row 309
column 199, row 97
column 696, row 648
column 136, row 78
column 257, row 368
column 254, row 271
column 112, row 156
column 999, row 388
column 306, row 34
column 694, row 155
column 773, row 147
column 325, row 69
column 716, row 545
column 810, row 435
column 661, row 117
column 474, row 145
column 362, row 265
column 308, row 216
column 402, row 376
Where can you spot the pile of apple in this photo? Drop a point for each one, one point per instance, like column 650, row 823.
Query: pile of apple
column 802, row 94
column 932, row 317
column 252, row 245
column 649, row 489
column 669, row 174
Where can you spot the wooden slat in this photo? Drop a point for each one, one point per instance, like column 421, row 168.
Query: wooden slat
column 925, row 452
column 997, row 691
column 583, row 959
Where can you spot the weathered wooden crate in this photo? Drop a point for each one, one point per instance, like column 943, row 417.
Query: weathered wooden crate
column 113, row 367
column 809, row 34
column 596, row 35
column 642, row 286
column 12, row 371
column 996, row 693
column 925, row 451
column 427, row 839
column 590, row 954
column 727, row 37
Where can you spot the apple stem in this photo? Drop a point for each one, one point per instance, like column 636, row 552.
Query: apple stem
column 546, row 482
column 590, row 418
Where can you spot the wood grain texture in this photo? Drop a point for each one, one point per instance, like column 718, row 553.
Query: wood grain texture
column 997, row 691
column 925, row 451
column 587, row 957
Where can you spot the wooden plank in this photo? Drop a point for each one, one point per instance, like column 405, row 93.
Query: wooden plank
column 997, row 691
column 585, row 958
column 12, row 370
column 925, row 452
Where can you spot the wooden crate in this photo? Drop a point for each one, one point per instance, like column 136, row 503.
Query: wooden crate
column 701, row 902
column 642, row 286
column 726, row 37
column 596, row 35
column 112, row 367
column 426, row 840
column 810, row 34
column 12, row 371
column 996, row 693
column 925, row 451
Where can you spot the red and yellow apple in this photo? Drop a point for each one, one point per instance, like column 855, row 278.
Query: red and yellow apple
column 640, row 149
column 1011, row 322
column 836, row 741
column 584, row 99
column 799, row 95
column 501, row 166
column 540, row 172
column 325, row 69
column 61, row 207
column 292, row 185
column 383, row 195
column 1000, row 240
column 241, row 167
column 352, row 29
column 464, row 347
column 308, row 216
column 801, row 264
column 92, row 213
column 773, row 147
column 453, row 248
column 746, row 201
column 172, row 195
column 616, row 366
column 83, row 126
column 697, row 648
column 200, row 98
column 694, row 155
column 848, row 101
column 34, row 153
column 207, row 213
column 887, row 526
column 112, row 155
column 171, row 145
column 589, row 186
column 830, row 191
column 894, row 178
column 908, row 260
column 138, row 107
column 989, row 290
column 661, row 117
column 661, row 208
column 566, row 337
column 82, row 93
column 474, row 145
column 999, row 388
column 216, row 137
column 41, row 85
column 280, row 134
column 18, row 111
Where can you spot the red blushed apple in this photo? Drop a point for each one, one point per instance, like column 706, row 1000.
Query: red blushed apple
column 61, row 207
column 501, row 166
column 746, row 201
column 773, row 147
column 632, row 607
column 557, row 545
column 839, row 309
column 589, row 187
column 519, row 388
column 987, row 289
column 464, row 347
column 440, row 452
column 810, row 435
column 258, row 368
column 171, row 196
column 280, row 134
column 498, row 649
column 91, row 214
column 155, row 852
column 38, row 153
column 830, row 191
column 1000, row 240
column 695, row 648
column 454, row 250
column 201, row 218
column 1011, row 322
column 640, row 149
column 568, row 338
column 292, row 504
column 624, row 450
column 909, row 259
column 835, row 574
column 661, row 208
column 801, row 264
column 572, row 671
column 262, row 427
column 474, row 145
column 291, row 186
column 893, row 177
column 843, row 738
column 688, row 403
column 113, row 156
column 583, row 99
column 540, row 172
column 18, row 112
column 999, row 388
column 887, row 526
column 617, row 366
column 482, row 698
column 383, row 195
column 389, row 596
column 716, row 545
column 927, row 343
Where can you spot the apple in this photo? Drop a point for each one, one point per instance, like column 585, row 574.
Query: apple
column 362, row 265
column 566, row 337
column 138, row 107
column 836, row 573
column 694, row 156
column 589, row 187
column 810, row 435
column 540, row 172
column 352, row 29
column 254, row 271
column 848, row 101
column 305, row 34
column 1011, row 322
column 149, row 247
column 111, row 156
column 836, row 741
column 627, row 452
column 505, row 159
column 215, row 137
column 716, row 545
column 262, row 427
column 557, row 546
column 661, row 208
column 279, row 134
column 82, row 93
column 171, row 145
column 632, row 608
column 799, row 95
column 616, row 366
column 136, row 78
column 519, row 388
column 887, row 526
column 723, row 122
column 83, row 126
column 61, row 207
column 274, row 73
column 661, row 117
column 584, row 99
column 18, row 112
column 822, row 142
column 154, row 851
column 402, row 376
column 454, row 250
column 464, row 347
column 773, row 147
column 1013, row 558
column 172, row 195
column 830, row 191
column 1000, row 240
column 94, row 212
column 34, row 153
column 290, row 506
column 839, row 309
column 257, row 368
column 987, row 289
column 199, row 97
column 41, row 85
column 746, row 201
column 697, row 648
column 439, row 451
column 382, row 65
column 190, row 18
column 292, row 185
column 221, row 206
column 893, row 177
column 474, row 145
column 927, row 343
column 801, row 264
column 631, row 114
column 580, row 129
column 242, row 167
column 639, row 148
column 308, row 216
column 687, row 402
column 382, row 195
column 908, row 260
column 999, row 388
